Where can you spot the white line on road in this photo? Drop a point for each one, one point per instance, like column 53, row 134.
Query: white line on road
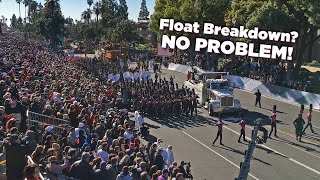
column 270, row 112
column 287, row 143
column 217, row 153
column 291, row 159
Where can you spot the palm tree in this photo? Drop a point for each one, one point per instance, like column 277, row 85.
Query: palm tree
column 26, row 4
column 32, row 9
column 86, row 15
column 96, row 10
column 19, row 2
column 90, row 2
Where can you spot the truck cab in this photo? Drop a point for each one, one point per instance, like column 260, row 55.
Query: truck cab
column 214, row 91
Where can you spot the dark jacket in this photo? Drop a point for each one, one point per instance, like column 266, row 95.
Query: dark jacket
column 100, row 174
column 35, row 107
column 81, row 170
column 159, row 161
column 298, row 123
column 112, row 172
column 16, row 159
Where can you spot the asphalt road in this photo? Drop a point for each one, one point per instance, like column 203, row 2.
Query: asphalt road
column 279, row 159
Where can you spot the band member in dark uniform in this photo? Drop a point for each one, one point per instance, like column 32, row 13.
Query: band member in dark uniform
column 258, row 98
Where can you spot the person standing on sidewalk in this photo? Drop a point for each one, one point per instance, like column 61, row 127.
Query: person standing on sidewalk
column 219, row 124
column 242, row 123
column 298, row 124
column 309, row 117
column 273, row 119
column 258, row 98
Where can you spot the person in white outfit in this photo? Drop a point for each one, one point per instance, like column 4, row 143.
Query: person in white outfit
column 170, row 156
column 138, row 120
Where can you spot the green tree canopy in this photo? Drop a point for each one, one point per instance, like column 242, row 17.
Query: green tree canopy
column 51, row 25
column 144, row 13
column 123, row 9
column 14, row 21
column 302, row 16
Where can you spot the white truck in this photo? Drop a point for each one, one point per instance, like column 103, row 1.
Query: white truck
column 214, row 92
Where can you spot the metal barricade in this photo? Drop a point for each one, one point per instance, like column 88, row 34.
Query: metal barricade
column 38, row 120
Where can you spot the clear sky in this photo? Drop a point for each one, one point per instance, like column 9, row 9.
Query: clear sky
column 72, row 8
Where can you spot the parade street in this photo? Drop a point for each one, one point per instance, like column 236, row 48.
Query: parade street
column 280, row 158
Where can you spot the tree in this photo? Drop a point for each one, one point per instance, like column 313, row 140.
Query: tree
column 26, row 4
column 39, row 7
column 123, row 9
column 144, row 13
column 188, row 11
column 14, row 21
column 90, row 2
column 51, row 25
column 32, row 10
column 302, row 16
column 19, row 2
column 86, row 15
column 97, row 11
column 123, row 32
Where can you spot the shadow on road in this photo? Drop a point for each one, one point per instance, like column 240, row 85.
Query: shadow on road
column 242, row 153
column 150, row 138
column 269, row 151
column 309, row 149
column 182, row 122
column 280, row 112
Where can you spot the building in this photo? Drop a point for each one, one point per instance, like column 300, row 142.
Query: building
column 144, row 31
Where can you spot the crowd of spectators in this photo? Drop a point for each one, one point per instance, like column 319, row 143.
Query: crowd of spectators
column 100, row 141
column 268, row 71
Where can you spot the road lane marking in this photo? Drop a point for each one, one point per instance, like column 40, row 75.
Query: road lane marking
column 280, row 100
column 217, row 153
column 291, row 159
column 270, row 112
column 290, row 135
column 305, row 151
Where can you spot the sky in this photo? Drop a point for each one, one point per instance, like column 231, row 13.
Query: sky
column 72, row 8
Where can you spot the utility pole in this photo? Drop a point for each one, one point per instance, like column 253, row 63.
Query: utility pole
column 245, row 166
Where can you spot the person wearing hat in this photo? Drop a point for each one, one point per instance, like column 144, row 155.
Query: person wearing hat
column 15, row 153
column 81, row 126
column 82, row 169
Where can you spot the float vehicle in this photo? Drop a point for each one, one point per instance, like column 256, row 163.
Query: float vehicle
column 214, row 92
